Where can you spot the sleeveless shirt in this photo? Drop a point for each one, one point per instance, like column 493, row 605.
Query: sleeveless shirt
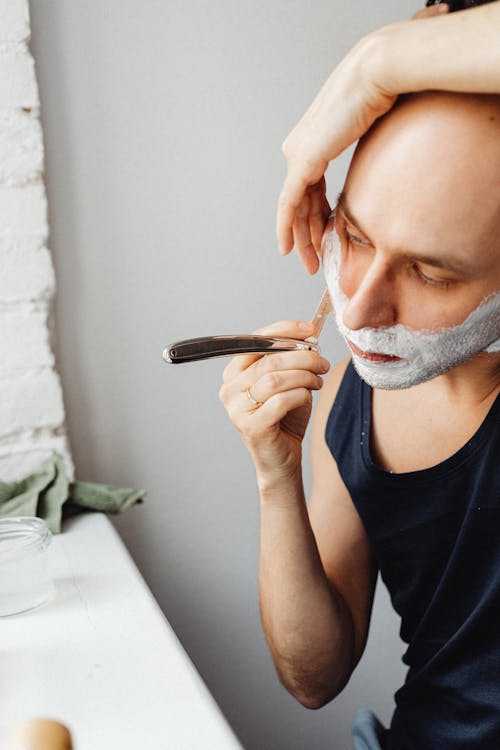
column 435, row 534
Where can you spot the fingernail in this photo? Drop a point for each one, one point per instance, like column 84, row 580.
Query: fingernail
column 442, row 8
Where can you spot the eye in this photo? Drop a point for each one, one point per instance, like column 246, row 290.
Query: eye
column 441, row 283
column 354, row 240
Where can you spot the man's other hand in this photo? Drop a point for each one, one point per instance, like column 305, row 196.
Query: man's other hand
column 350, row 101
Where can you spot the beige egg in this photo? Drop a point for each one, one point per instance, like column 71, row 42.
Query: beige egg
column 39, row 734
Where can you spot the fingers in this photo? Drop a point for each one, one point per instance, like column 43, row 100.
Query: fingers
column 284, row 361
column 275, row 409
column 305, row 176
column 246, row 377
column 302, row 235
column 302, row 213
column 291, row 194
column 318, row 217
column 264, row 397
column 309, row 225
column 292, row 329
column 431, row 11
column 274, row 382
column 270, row 375
column 275, row 386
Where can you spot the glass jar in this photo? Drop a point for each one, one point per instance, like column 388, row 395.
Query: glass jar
column 25, row 581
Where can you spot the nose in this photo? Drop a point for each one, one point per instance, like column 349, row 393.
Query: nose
column 372, row 299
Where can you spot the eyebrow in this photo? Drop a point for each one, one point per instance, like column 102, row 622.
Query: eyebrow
column 448, row 263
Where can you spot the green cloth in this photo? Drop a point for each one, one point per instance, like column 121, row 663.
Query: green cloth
column 48, row 494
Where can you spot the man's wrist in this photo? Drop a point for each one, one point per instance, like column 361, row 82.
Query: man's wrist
column 401, row 62
column 391, row 68
column 281, row 487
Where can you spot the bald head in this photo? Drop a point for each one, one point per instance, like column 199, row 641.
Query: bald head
column 430, row 169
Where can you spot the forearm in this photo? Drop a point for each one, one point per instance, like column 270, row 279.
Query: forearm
column 456, row 52
column 306, row 622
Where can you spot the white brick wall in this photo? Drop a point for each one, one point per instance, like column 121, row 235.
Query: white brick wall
column 31, row 404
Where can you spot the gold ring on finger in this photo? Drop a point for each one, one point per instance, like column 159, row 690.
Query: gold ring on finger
column 252, row 399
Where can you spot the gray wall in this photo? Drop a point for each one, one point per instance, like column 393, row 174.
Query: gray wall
column 163, row 123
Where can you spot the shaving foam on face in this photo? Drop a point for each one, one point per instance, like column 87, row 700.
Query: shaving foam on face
column 423, row 355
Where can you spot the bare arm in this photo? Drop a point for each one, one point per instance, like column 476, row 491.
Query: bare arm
column 316, row 586
column 457, row 52
column 316, row 575
column 453, row 52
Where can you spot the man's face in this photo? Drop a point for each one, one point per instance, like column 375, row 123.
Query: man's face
column 419, row 218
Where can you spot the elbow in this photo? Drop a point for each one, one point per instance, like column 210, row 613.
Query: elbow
column 313, row 682
column 314, row 702
column 313, row 696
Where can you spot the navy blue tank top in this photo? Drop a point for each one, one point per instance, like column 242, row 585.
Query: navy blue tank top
column 436, row 537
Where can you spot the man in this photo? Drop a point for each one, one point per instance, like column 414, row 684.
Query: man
column 405, row 457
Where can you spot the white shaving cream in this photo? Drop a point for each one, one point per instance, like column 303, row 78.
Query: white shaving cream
column 422, row 354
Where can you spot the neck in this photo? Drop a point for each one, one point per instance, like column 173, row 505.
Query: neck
column 473, row 382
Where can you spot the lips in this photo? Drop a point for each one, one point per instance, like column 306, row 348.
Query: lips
column 372, row 356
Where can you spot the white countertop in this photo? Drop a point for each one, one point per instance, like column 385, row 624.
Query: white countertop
column 102, row 658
